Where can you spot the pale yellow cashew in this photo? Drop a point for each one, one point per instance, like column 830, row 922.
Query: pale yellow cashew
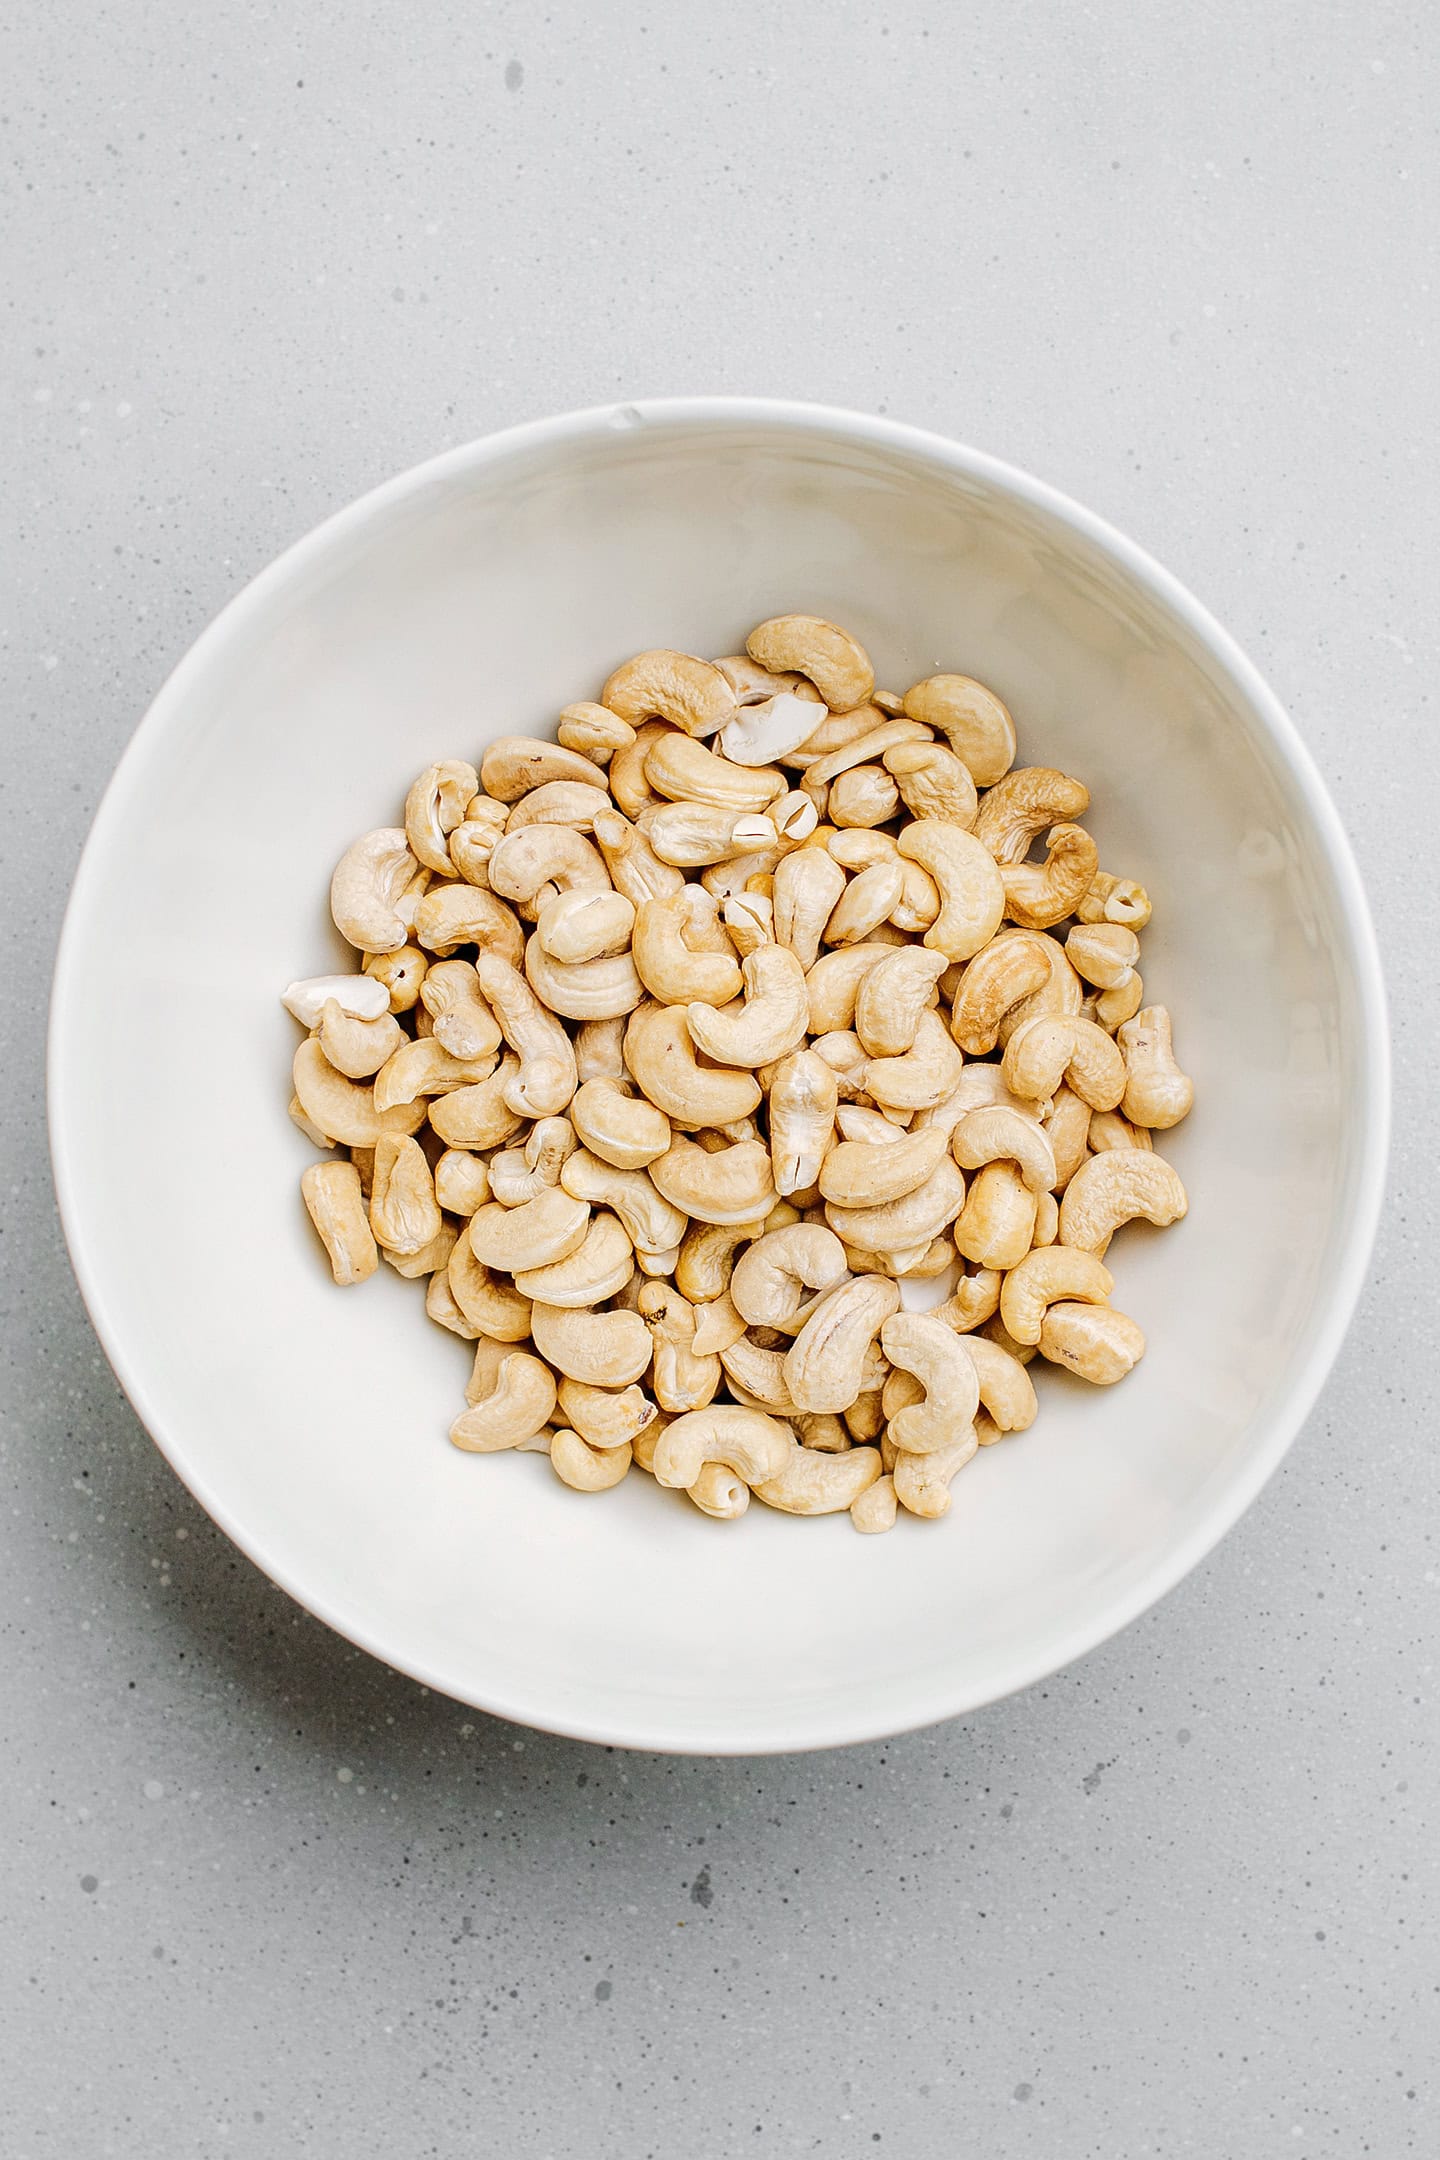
column 1057, row 1047
column 842, row 1052
column 1007, row 1393
column 868, row 900
column 559, row 802
column 922, row 1482
column 331, row 1192
column 426, row 1067
column 1110, row 1129
column 1112, row 1189
column 681, row 950
column 871, row 1173
column 875, row 1509
column 921, row 1076
column 748, row 1442
column 429, row 1259
column 717, row 1326
column 691, row 694
column 546, row 1079
column 892, row 997
column 816, row 1483
column 606, row 1417
column 972, row 719
column 978, row 1088
column 401, row 975
column 732, row 1185
column 833, row 983
column 473, row 842
column 652, row 1224
column 1093, row 1341
column 434, row 807
column 1112, row 1007
column 859, row 750
column 341, row 1109
column 862, row 797
column 749, row 919
column 450, row 916
column 940, row 1361
column 802, row 1103
column 587, row 1469
column 519, row 1405
column 628, row 782
column 707, row 1254
column 776, row 1278
column 934, row 783
column 834, row 731
column 404, row 1215
column 755, row 685
column 684, row 771
column 1105, row 954
column 600, row 1266
column 1000, row 1135
column 514, row 764
column 593, row 731
column 974, row 1300
column 579, row 926
column 905, row 1225
column 1067, row 1127
column 681, row 1378
column 718, row 1492
column 369, row 879
column 660, row 1052
column 1047, row 1218
column 357, row 1048
column 690, row 835
column 478, row 1116
column 769, row 1023
column 441, row 1307
column 1009, row 968
column 996, row 1226
column 808, row 884
column 827, row 656
column 756, row 1376
column 825, row 1363
column 549, row 1227
column 462, row 1181
column 1039, row 895
column 972, row 896
column 1063, row 993
column 618, row 1126
column 1157, row 1093
column 635, row 869
column 823, row 1430
column 490, row 1302
column 519, row 1174
column 463, row 1023
column 600, row 1049
column 1046, row 1277
column 608, row 1349
column 538, row 863
column 601, row 989
column 1117, row 900
column 1023, row 804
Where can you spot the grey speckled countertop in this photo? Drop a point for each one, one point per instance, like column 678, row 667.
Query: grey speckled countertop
column 257, row 1894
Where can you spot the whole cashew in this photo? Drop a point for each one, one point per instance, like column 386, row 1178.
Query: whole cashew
column 602, row 989
column 559, row 802
column 1064, row 992
column 580, row 926
column 432, row 1258
column 719, row 1492
column 922, row 1482
column 652, row 1224
column 369, row 879
column 635, row 869
column 463, row 1022
column 1017, row 809
column 587, row 1469
column 1067, row 1128
column 835, row 662
column 1045, row 1277
column 478, row 1116
column 912, row 1220
column 404, row 1216
column 802, row 1119
column 833, row 983
column 749, row 919
column 519, row 1405
column 401, row 974
column 808, row 883
column 682, row 1379
column 600, row 1265
column 683, row 771
column 1093, row 1341
column 1038, row 895
column 514, row 764
column 729, row 1186
column 681, row 951
column 462, row 1181
column 539, row 862
column 619, row 1127
column 608, row 1349
column 940, row 1361
column 717, row 1326
column 425, row 1067
column 816, row 1483
column 973, row 721
column 748, row 1442
column 1000, row 1135
column 331, row 1192
column 434, row 807
column 863, row 796
column 773, row 1278
column 1110, row 1129
column 1044, row 1052
column 1105, row 954
column 921, row 1076
column 975, row 1299
column 972, row 895
column 547, row 1228
column 473, row 841
column 453, row 915
column 771, row 1021
column 341, row 1109
column 660, row 1053
column 867, row 901
column 860, row 750
column 593, row 732
column 1114, row 1006
column 756, row 1376
column 440, row 1306
column 1114, row 1188
column 1117, row 900
column 1007, row 1393
column 934, row 783
column 870, row 1173
column 824, row 1364
column 707, row 1253
column 692, row 834
column 875, row 1509
column 357, row 1048
column 893, row 995
column 606, row 1417
column 547, row 1078
column 689, row 693
column 1006, row 970
column 1157, row 1093
column 489, row 1302
column 628, row 782
column 996, row 1226
column 1047, row 1218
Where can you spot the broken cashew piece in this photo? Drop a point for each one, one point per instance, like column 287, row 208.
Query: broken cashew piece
column 1095, row 1342
column 331, row 1192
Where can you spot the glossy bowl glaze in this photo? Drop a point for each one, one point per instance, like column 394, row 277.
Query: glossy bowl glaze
column 475, row 596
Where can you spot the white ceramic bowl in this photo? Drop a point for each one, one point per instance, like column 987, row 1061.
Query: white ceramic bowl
column 476, row 596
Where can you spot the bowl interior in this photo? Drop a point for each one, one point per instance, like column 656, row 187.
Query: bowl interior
column 475, row 598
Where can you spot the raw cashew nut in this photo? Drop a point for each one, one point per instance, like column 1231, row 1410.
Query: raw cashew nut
column 425, row 1067
column 835, row 662
column 478, row 1116
column 1157, row 1094
column 681, row 951
column 1093, row 1341
column 729, row 1186
column 1114, row 1188
column 652, row 1224
column 547, row 1228
column 593, row 732
column 749, row 919
column 717, row 1326
column 897, row 1226
column 754, row 1446
column 1067, row 1128
column 683, row 770
column 559, row 802
column 816, row 1483
column 331, row 1192
column 635, row 869
column 1047, row 1218
column 996, row 1226
column 342, row 1109
column 870, row 1173
column 972, row 896
column 1007, row 1393
column 359, row 996
column 682, row 1379
column 606, row 1417
column 1112, row 1129
column 539, row 862
column 463, row 1022
column 1044, row 1052
column 1009, row 968
column 357, row 1048
column 1116, row 900
column 773, row 1279
column 602, row 989
column 719, row 1492
column 940, row 1360
column 520, row 1173
column 600, row 1266
column 893, row 995
column 369, row 879
column 578, row 926
column 546, row 1079
column 863, row 796
column 690, row 835
column 769, row 729
column 922, row 1482
column 689, row 693
column 453, row 915
column 707, row 1253
column 976, row 1299
column 599, row 1049
column 973, row 721
column 1017, row 809
column 802, row 1104
column 832, row 983
column 491, row 1304
column 619, row 1127
column 934, row 783
column 400, row 974
column 587, row 1469
column 824, row 1365
column 607, row 1349
column 1122, row 1003
column 462, row 1182
column 1038, row 895
column 808, row 884
column 876, row 1508
column 771, row 1021
column 860, row 750
column 1045, row 1277
column 867, row 901
column 921, row 1076
column 756, row 1376
column 519, row 1405
column 514, row 764
column 434, row 807
column 404, row 1215
column 1105, row 954
column 1000, row 1135
column 660, row 1052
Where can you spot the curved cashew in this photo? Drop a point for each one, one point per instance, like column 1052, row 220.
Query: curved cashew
column 835, row 662
column 621, row 1128
column 593, row 731
column 536, row 864
column 606, row 1417
column 369, row 879
column 608, row 1349
column 635, row 869
column 770, row 1022
column 867, row 901
column 514, row 764
column 1045, row 1277
column 1093, row 1341
column 546, row 1079
column 833, row 982
column 842, row 1052
column 690, row 835
column 870, row 1173
column 463, row 1023
column 431, row 1259
column 1047, row 1218
column 895, row 1226
column 559, row 802
column 357, row 1048
column 1115, row 899
column 520, row 1173
column 689, row 693
column 719, row 1492
column 652, row 1224
column 628, row 784
column 1000, row 1135
column 1009, row 968
column 1038, row 895
column 520, row 1403
column 401, row 974
column 578, row 927
column 728, row 1186
column 748, row 1442
column 603, row 989
column 474, row 838
column 434, row 807
column 661, row 1055
column 404, row 1216
column 922, row 1482
column 490, row 1304
column 600, row 1049
column 976, row 1299
column 682, row 1379
column 802, row 1119
column 1067, row 1127
column 1157, row 1093
column 681, row 951
column 587, row 1469
column 707, row 1253
column 934, row 783
column 440, row 1306
column 859, row 750
column 684, row 771
column 1007, row 1393
column 756, row 1376
column 772, row 1279
column 893, row 995
column 1114, row 1006
column 996, row 1226
column 808, row 884
column 1105, row 954
column 478, row 1116
column 978, row 1087
column 360, row 997
column 1064, row 993
column 453, row 915
column 949, row 1385
column 424, row 1067
column 462, row 1181
column 876, row 1508
column 749, row 922
column 1017, row 809
column 1057, row 1047
column 815, row 1483
column 824, row 1365
column 921, row 1076
column 331, row 1192
column 341, row 1109
column 550, row 1227
column 1114, row 1188
column 972, row 895
column 971, row 718
column 1110, row 1129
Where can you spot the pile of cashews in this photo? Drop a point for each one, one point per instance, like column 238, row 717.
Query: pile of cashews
column 682, row 1043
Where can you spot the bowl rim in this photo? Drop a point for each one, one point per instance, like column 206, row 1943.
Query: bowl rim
column 832, row 1727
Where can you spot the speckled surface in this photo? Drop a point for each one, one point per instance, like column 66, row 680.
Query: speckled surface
column 257, row 1894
